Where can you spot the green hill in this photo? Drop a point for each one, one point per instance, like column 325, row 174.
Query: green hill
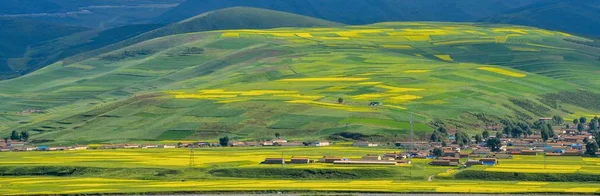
column 250, row 84
column 230, row 18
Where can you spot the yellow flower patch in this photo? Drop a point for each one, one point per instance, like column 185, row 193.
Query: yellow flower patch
column 445, row 57
column 397, row 46
column 304, row 35
column 503, row 71
column 417, row 71
column 324, row 79
column 230, row 35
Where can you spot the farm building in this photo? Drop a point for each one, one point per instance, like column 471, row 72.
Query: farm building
column 331, row 159
column 451, row 159
column 80, row 147
column 371, row 157
column 300, row 160
column 320, row 143
column 167, row 146
column 450, row 154
column 489, row 161
column 365, row 144
column 443, row 163
column 279, row 140
column 290, row 144
column 273, row 161
column 470, row 163
column 150, row 146
column 393, row 155
column 129, row 146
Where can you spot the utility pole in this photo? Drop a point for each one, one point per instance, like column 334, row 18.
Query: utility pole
column 412, row 143
column 192, row 157
column 545, row 144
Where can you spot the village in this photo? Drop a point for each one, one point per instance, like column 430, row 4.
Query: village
column 449, row 152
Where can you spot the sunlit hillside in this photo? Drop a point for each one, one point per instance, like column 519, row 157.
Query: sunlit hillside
column 308, row 83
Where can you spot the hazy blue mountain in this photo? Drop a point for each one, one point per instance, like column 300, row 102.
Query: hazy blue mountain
column 576, row 16
column 16, row 35
column 27, row 6
column 359, row 11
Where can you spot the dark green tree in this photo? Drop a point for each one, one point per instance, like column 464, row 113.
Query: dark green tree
column 575, row 121
column 558, row 120
column 517, row 132
column 485, row 134
column 544, row 133
column 277, row 135
column 340, row 100
column 435, row 137
column 549, row 126
column 24, row 135
column 507, row 130
column 14, row 136
column 586, row 140
column 444, row 144
column 224, row 141
column 462, row 138
column 499, row 135
column 6, row 140
column 580, row 127
column 494, row 144
column 591, row 148
column 582, row 120
column 442, row 130
column 593, row 125
column 478, row 138
column 437, row 152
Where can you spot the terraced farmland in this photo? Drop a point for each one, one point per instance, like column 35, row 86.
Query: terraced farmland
column 250, row 84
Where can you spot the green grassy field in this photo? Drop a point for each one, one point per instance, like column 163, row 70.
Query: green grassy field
column 250, row 84
column 238, row 170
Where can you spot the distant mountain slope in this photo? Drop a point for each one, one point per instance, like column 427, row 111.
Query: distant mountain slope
column 229, row 18
column 359, row 11
column 48, row 52
column 251, row 84
column 17, row 34
column 577, row 16
column 27, row 6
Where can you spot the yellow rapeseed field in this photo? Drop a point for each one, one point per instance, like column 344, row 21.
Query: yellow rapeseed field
column 503, row 71
column 324, row 79
column 230, row 35
column 445, row 57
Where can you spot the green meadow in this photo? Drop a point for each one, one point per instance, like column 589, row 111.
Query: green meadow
column 251, row 84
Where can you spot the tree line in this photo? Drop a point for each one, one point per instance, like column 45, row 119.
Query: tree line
column 16, row 136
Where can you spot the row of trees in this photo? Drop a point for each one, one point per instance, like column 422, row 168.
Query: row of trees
column 580, row 124
column 16, row 136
